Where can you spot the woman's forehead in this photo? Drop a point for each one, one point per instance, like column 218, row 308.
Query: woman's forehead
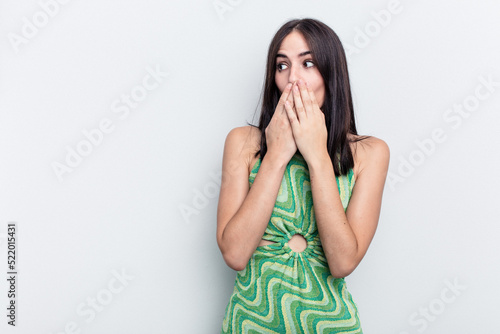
column 294, row 45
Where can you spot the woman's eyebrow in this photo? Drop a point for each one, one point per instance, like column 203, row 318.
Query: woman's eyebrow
column 302, row 54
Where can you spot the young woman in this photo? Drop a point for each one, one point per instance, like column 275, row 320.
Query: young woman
column 301, row 193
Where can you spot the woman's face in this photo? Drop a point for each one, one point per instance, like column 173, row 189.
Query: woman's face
column 294, row 61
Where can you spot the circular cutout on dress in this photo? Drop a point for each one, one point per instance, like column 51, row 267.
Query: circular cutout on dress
column 297, row 243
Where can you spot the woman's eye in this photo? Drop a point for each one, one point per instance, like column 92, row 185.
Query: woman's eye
column 309, row 63
column 281, row 67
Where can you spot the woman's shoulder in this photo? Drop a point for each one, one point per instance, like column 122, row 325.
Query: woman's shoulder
column 366, row 143
column 245, row 139
column 368, row 151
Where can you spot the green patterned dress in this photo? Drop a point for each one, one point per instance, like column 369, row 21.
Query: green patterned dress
column 282, row 291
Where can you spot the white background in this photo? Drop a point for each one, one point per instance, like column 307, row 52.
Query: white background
column 143, row 201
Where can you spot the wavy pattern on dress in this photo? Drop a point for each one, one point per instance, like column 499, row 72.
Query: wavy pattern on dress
column 282, row 291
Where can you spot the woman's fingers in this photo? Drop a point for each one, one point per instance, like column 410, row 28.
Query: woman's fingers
column 290, row 100
column 284, row 97
column 299, row 106
column 280, row 118
column 304, row 94
column 314, row 102
column 292, row 116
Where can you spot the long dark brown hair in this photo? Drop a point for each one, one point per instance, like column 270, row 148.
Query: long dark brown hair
column 329, row 56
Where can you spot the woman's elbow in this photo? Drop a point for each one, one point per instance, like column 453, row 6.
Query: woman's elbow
column 342, row 271
column 234, row 262
column 233, row 257
column 232, row 253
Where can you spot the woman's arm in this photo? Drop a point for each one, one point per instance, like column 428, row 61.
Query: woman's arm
column 243, row 212
column 346, row 236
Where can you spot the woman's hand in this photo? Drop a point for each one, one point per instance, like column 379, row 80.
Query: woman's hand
column 279, row 136
column 307, row 122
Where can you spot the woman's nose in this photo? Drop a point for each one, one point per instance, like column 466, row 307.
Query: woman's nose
column 294, row 75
